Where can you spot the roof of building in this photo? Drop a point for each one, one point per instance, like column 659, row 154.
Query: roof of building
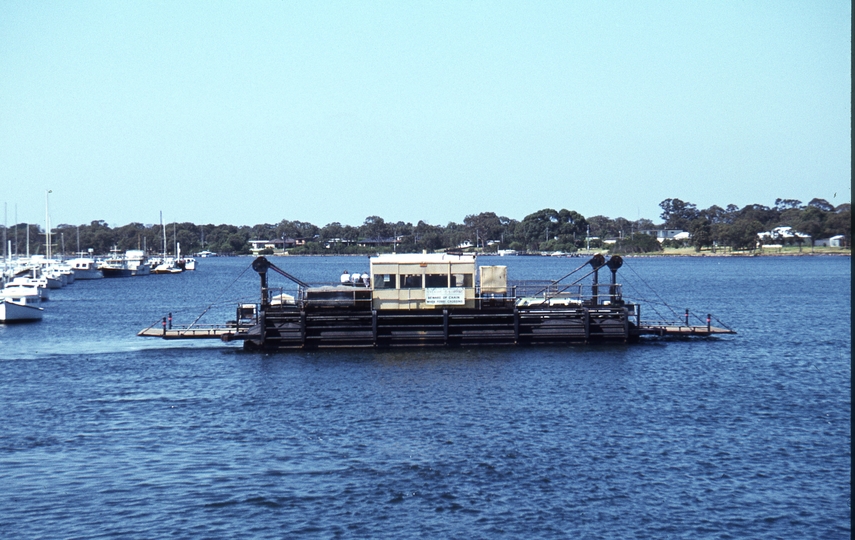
column 422, row 258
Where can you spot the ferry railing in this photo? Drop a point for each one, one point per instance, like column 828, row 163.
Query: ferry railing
column 532, row 292
column 282, row 296
column 551, row 291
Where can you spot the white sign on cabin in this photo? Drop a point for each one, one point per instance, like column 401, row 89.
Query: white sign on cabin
column 451, row 296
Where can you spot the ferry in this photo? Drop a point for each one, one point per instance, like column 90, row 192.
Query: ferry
column 437, row 300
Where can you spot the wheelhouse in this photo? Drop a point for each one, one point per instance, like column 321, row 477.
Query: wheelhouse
column 422, row 281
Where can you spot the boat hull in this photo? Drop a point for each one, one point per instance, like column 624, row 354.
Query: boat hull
column 142, row 270
column 90, row 273
column 116, row 272
column 85, row 268
column 12, row 312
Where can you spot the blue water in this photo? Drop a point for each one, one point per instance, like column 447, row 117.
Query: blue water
column 104, row 434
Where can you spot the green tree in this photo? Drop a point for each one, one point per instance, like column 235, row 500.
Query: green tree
column 636, row 243
column 811, row 221
column 678, row 214
column 701, row 231
column 742, row 234
column 483, row 227
column 375, row 228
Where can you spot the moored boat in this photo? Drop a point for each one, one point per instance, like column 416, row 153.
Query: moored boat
column 27, row 286
column 85, row 268
column 132, row 263
column 186, row 263
column 167, row 266
column 19, row 306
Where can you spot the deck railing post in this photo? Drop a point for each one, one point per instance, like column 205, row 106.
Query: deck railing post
column 516, row 326
column 595, row 290
column 587, row 323
column 625, row 324
column 708, row 322
column 687, row 316
column 445, row 325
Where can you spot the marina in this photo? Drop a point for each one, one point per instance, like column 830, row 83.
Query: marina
column 437, row 300
column 27, row 282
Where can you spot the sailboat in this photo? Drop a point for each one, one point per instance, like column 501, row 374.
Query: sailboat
column 167, row 265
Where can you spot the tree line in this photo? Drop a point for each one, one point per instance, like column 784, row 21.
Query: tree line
column 546, row 230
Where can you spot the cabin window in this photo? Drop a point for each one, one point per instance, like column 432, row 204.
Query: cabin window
column 461, row 280
column 411, row 281
column 384, row 281
column 436, row 280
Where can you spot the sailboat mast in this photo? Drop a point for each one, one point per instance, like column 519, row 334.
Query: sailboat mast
column 47, row 223
column 164, row 234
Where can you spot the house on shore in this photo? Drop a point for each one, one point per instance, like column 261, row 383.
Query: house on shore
column 667, row 234
column 834, row 241
column 274, row 247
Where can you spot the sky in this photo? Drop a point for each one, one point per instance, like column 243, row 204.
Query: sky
column 258, row 111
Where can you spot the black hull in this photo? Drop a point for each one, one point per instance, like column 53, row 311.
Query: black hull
column 117, row 272
column 334, row 328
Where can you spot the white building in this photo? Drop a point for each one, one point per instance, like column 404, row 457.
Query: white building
column 782, row 233
column 834, row 241
column 667, row 234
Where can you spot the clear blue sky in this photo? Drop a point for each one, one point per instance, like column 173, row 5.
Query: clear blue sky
column 254, row 112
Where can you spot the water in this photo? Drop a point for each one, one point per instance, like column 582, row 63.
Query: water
column 108, row 435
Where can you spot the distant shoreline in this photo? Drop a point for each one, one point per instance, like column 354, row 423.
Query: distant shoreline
column 842, row 253
column 706, row 254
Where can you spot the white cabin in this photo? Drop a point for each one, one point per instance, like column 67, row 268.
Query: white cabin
column 422, row 281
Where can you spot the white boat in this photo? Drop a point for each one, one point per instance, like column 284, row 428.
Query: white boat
column 41, row 271
column 187, row 263
column 20, row 285
column 50, row 282
column 132, row 263
column 167, row 266
column 66, row 271
column 55, row 278
column 137, row 262
column 19, row 307
column 85, row 268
